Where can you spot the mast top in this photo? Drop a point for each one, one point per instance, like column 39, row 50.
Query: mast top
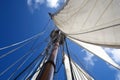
column 57, row 35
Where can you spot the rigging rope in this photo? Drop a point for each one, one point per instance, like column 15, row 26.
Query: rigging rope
column 43, row 61
column 28, row 66
column 31, row 38
column 13, row 64
column 13, row 50
column 59, row 65
column 32, row 50
column 27, row 53
column 39, row 68
column 80, row 63
column 43, row 54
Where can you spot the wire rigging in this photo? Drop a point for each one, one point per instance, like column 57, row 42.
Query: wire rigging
column 13, row 64
column 60, row 63
column 26, row 54
column 13, row 50
column 28, row 66
column 32, row 50
column 79, row 61
column 26, row 40
column 43, row 53
column 43, row 61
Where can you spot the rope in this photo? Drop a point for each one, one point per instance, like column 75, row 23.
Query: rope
column 39, row 68
column 81, row 64
column 33, row 37
column 13, row 50
column 32, row 64
column 42, row 61
column 76, row 57
column 32, row 50
column 13, row 64
column 60, row 63
column 28, row 66
column 27, row 53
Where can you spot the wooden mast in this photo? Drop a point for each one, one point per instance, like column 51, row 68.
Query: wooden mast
column 48, row 68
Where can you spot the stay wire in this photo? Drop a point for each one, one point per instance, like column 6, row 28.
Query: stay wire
column 60, row 64
column 28, row 66
column 32, row 50
column 13, row 64
column 76, row 57
column 81, row 64
column 37, row 35
column 39, row 68
column 15, row 49
column 43, row 60
column 43, row 53
column 69, row 59
column 27, row 53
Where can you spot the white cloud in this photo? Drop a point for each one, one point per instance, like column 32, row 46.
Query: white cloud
column 39, row 1
column 118, row 76
column 114, row 53
column 29, row 2
column 53, row 3
column 49, row 3
column 89, row 58
column 34, row 4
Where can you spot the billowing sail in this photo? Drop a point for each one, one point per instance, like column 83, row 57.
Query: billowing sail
column 98, row 51
column 80, row 74
column 91, row 21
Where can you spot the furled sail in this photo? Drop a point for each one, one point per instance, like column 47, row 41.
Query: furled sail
column 67, row 67
column 98, row 51
column 91, row 21
column 80, row 74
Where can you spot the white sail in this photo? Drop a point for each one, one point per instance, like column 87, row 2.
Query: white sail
column 80, row 74
column 91, row 21
column 98, row 51
column 67, row 68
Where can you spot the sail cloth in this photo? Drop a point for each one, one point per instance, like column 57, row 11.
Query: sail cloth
column 79, row 73
column 98, row 51
column 91, row 21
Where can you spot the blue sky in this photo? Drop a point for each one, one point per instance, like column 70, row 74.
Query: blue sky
column 23, row 19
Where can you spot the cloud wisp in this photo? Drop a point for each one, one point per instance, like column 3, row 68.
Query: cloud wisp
column 118, row 76
column 35, row 4
column 114, row 54
column 53, row 3
column 89, row 58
